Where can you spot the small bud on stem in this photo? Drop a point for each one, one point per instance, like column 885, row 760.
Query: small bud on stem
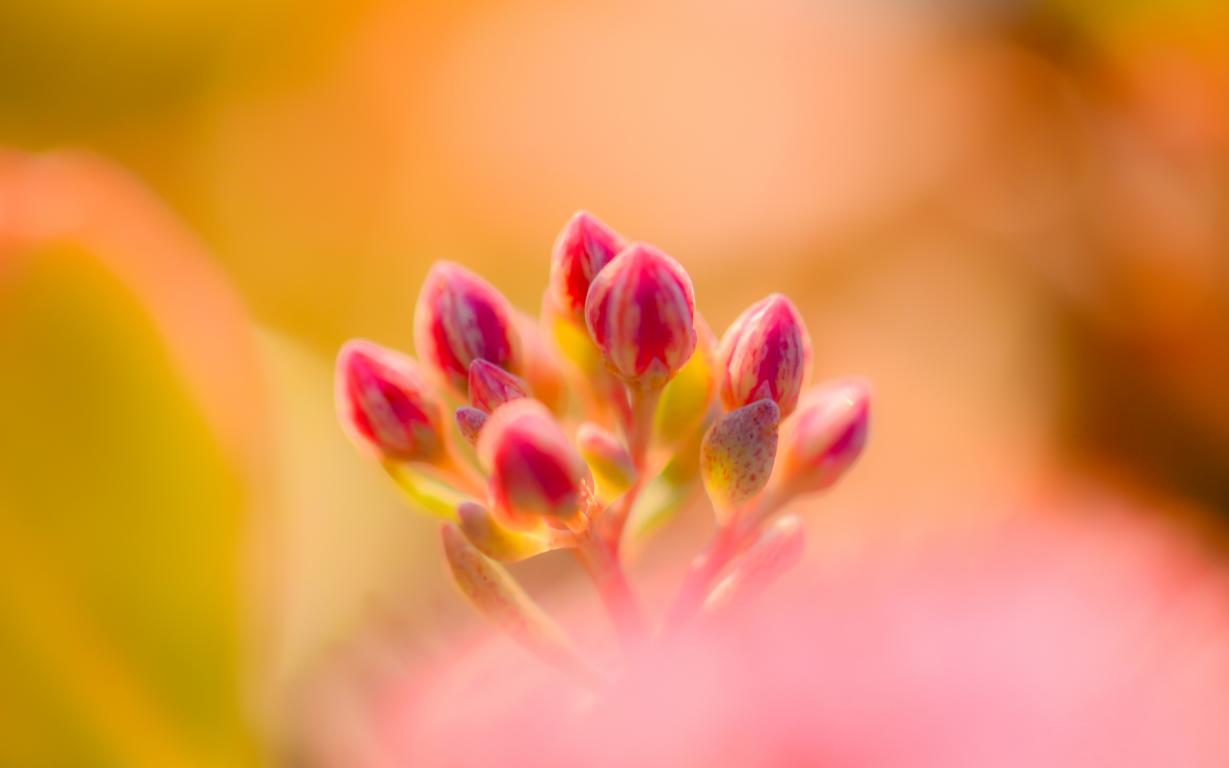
column 583, row 248
column 737, row 455
column 825, row 437
column 461, row 318
column 611, row 463
column 641, row 314
column 385, row 404
column 536, row 473
column 470, row 422
column 765, row 353
column 491, row 386
column 500, row 599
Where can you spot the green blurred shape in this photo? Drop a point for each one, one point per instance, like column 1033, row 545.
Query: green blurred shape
column 120, row 527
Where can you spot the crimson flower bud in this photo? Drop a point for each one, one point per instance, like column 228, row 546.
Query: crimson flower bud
column 766, row 353
column 826, row 436
column 470, row 422
column 491, row 386
column 535, row 471
column 383, row 402
column 641, row 314
column 461, row 318
column 583, row 247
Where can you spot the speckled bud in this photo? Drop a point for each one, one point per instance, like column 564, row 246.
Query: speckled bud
column 583, row 248
column 461, row 318
column 536, row 473
column 766, row 353
column 737, row 454
column 384, row 403
column 641, row 314
column 825, row 436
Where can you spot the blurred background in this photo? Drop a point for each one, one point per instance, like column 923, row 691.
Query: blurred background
column 1011, row 216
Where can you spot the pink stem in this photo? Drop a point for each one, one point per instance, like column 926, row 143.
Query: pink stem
column 638, row 431
column 738, row 531
column 639, row 426
column 608, row 576
column 703, row 572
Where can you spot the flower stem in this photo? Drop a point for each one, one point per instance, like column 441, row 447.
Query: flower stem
column 638, row 431
column 603, row 566
column 467, row 479
column 639, row 426
column 739, row 530
column 411, row 484
column 703, row 572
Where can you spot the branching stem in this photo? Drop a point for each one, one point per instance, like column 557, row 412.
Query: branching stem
column 738, row 532
column 603, row 566
column 638, row 431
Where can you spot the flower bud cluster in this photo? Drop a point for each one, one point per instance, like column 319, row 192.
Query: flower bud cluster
column 614, row 407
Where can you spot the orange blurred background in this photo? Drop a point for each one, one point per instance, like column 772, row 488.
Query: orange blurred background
column 1012, row 217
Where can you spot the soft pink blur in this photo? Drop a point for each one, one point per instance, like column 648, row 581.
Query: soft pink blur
column 1067, row 641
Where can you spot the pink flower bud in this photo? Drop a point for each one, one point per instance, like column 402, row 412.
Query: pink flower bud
column 583, row 247
column 461, row 318
column 765, row 353
column 826, row 436
column 470, row 422
column 491, row 386
column 383, row 402
column 737, row 454
column 641, row 314
column 535, row 471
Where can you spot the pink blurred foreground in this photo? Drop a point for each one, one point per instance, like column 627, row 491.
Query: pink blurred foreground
column 1047, row 643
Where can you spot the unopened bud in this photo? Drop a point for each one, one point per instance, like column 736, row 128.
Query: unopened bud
column 765, row 353
column 737, row 454
column 384, row 403
column 825, row 436
column 461, row 318
column 496, row 595
column 583, row 248
column 491, row 386
column 611, row 463
column 535, row 471
column 641, row 314
column 495, row 541
column 469, row 423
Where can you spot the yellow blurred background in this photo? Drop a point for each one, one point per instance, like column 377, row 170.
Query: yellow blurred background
column 1012, row 217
